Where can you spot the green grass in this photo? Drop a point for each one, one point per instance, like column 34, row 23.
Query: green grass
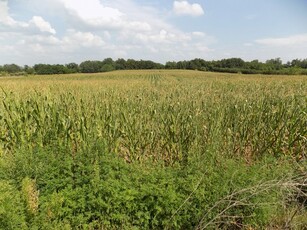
column 153, row 149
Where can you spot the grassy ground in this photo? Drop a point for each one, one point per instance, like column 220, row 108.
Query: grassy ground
column 153, row 149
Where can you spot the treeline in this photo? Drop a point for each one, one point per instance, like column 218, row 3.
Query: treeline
column 231, row 65
column 237, row 65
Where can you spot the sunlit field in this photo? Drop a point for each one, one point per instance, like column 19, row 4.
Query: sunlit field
column 153, row 149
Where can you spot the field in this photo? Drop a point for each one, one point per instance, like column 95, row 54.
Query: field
column 153, row 150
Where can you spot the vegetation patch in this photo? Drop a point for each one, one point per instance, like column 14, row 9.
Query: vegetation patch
column 153, row 150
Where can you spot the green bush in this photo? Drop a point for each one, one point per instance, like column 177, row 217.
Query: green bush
column 95, row 189
column 12, row 213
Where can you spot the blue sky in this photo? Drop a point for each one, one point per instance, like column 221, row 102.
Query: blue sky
column 63, row 31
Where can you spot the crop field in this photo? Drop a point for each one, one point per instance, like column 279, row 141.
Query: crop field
column 153, row 149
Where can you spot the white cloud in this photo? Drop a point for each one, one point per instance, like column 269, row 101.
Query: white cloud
column 37, row 48
column 42, row 25
column 186, row 8
column 46, row 40
column 161, row 37
column 132, row 25
column 3, row 10
column 92, row 14
column 248, row 44
column 86, row 39
column 6, row 20
column 295, row 40
column 95, row 29
column 9, row 24
column 91, row 9
column 198, row 34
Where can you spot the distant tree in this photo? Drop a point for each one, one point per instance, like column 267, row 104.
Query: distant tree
column 200, row 64
column 50, row 69
column 120, row 64
column 107, row 68
column 131, row 64
column 42, row 69
column 254, row 65
column 108, row 65
column 295, row 63
column 60, row 69
column 182, row 65
column 72, row 67
column 171, row 65
column 108, row 61
column 304, row 64
column 299, row 63
column 195, row 64
column 28, row 69
column 275, row 64
column 12, row 68
column 2, row 72
column 146, row 64
column 91, row 66
column 232, row 63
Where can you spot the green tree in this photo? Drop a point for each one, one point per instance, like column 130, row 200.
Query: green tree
column 182, row 65
column 72, row 67
column 107, row 68
column 131, row 64
column 232, row 63
column 108, row 61
column 120, row 64
column 171, row 65
column 91, row 66
column 28, row 69
column 12, row 68
column 50, row 69
column 275, row 64
column 108, row 65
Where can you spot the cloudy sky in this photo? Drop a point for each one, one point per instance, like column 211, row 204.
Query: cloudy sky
column 63, row 31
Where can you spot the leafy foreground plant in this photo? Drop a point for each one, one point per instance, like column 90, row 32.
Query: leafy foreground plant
column 93, row 189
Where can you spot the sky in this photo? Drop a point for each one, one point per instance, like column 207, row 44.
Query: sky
column 64, row 31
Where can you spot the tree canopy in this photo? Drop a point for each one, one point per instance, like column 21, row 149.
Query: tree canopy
column 230, row 65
